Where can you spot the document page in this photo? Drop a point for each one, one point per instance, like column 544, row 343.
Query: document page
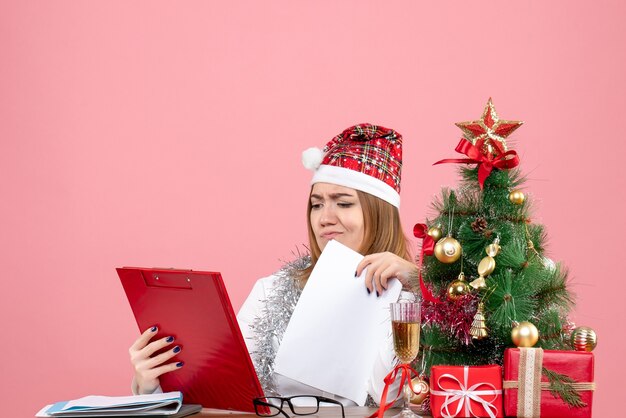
column 337, row 328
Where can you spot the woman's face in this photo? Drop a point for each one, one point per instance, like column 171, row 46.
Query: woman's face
column 336, row 213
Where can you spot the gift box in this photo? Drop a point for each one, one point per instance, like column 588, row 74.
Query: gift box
column 466, row 391
column 527, row 387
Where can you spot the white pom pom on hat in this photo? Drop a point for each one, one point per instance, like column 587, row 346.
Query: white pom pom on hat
column 312, row 158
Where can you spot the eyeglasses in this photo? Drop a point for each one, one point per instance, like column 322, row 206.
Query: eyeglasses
column 273, row 405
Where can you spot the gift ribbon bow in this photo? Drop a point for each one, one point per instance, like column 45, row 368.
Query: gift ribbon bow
column 465, row 395
column 486, row 163
column 405, row 377
column 428, row 248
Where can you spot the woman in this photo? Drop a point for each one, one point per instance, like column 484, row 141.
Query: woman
column 354, row 200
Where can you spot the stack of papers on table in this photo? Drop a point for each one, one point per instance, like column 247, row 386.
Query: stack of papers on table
column 161, row 404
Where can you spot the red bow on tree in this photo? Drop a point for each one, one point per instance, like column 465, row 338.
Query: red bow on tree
column 486, row 163
column 428, row 248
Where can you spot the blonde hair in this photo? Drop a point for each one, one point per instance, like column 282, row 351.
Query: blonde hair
column 382, row 232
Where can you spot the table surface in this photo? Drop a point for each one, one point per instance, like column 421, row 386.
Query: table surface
column 352, row 411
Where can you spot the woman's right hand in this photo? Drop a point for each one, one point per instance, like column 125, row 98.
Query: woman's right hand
column 148, row 368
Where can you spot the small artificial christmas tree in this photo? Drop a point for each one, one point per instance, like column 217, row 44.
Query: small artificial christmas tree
column 488, row 280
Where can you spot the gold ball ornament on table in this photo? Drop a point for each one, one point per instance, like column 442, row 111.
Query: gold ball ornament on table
column 435, row 232
column 420, row 386
column 584, row 339
column 458, row 288
column 525, row 334
column 517, row 197
column 448, row 250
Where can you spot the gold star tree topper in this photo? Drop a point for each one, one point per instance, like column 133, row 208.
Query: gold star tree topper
column 489, row 133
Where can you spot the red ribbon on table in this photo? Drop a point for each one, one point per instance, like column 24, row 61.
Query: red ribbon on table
column 406, row 376
column 486, row 163
column 428, row 248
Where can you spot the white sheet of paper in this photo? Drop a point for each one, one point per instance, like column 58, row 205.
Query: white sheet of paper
column 337, row 328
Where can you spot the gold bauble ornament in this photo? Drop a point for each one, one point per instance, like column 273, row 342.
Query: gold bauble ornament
column 478, row 330
column 448, row 250
column 584, row 339
column 420, row 386
column 493, row 250
column 485, row 268
column 517, row 197
column 487, row 265
column 479, row 284
column 435, row 233
column 525, row 334
column 458, row 288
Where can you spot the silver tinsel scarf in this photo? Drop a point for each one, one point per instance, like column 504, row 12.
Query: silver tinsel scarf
column 269, row 327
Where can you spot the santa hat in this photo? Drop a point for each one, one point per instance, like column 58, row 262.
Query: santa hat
column 363, row 157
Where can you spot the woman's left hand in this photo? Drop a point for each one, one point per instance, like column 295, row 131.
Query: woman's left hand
column 384, row 266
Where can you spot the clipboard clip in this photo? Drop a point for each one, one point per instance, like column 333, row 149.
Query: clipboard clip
column 167, row 280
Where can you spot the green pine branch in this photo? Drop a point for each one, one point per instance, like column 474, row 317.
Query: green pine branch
column 513, row 253
column 550, row 328
column 538, row 236
column 524, row 286
column 505, row 179
column 554, row 291
column 561, row 387
column 437, row 347
column 511, row 299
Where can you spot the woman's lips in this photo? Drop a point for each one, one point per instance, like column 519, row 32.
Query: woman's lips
column 330, row 235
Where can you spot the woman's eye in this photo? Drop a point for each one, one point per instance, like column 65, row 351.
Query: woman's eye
column 316, row 205
column 344, row 205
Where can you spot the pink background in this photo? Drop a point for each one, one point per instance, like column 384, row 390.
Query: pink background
column 169, row 134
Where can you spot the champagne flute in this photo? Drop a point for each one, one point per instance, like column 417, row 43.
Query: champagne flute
column 405, row 323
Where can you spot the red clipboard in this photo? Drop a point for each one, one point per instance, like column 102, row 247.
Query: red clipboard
column 193, row 306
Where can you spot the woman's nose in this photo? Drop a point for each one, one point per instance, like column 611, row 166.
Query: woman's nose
column 328, row 215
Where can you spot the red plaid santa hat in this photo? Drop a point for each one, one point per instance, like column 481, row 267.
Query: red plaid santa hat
column 363, row 157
